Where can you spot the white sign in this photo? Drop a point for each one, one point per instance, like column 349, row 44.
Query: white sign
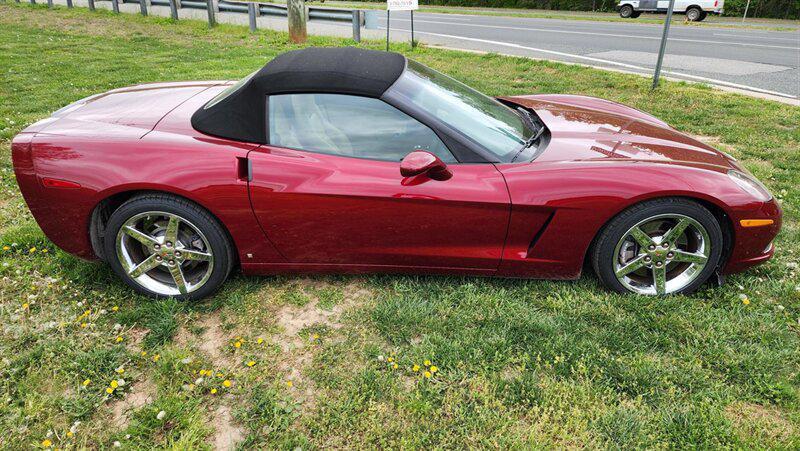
column 402, row 5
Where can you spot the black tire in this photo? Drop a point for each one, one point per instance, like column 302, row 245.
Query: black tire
column 603, row 256
column 636, row 14
column 702, row 16
column 626, row 11
column 217, row 238
column 694, row 14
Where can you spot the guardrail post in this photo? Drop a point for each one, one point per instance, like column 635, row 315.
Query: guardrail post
column 91, row 5
column 69, row 3
column 115, row 6
column 212, row 7
column 49, row 3
column 33, row 2
column 143, row 7
column 357, row 25
column 252, row 13
column 173, row 9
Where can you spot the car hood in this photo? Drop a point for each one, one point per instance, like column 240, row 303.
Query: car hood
column 593, row 130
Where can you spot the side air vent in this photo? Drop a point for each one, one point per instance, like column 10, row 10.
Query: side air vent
column 539, row 234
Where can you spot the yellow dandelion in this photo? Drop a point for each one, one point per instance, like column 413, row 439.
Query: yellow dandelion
column 260, row 340
column 144, row 353
column 120, row 370
column 315, row 337
column 434, row 368
column 395, row 366
column 251, row 363
column 44, row 251
column 83, row 325
column 427, row 362
column 289, row 384
column 46, row 443
column 70, row 434
column 109, row 390
column 213, row 391
column 115, row 308
column 226, row 383
column 5, row 248
column 238, row 344
column 220, row 375
column 390, row 359
column 87, row 382
column 427, row 374
column 156, row 357
column 25, row 306
column 119, row 339
column 746, row 301
column 415, row 368
column 32, row 250
column 114, row 384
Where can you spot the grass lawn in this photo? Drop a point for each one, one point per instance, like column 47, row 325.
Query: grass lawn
column 281, row 362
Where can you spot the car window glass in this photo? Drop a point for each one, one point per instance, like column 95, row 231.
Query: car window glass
column 352, row 126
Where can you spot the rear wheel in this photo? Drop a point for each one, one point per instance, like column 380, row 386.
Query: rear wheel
column 162, row 245
column 626, row 11
column 659, row 247
column 693, row 14
column 636, row 14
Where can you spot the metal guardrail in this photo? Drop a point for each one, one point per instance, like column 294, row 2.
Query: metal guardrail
column 252, row 9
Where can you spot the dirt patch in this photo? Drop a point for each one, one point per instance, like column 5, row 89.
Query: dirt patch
column 752, row 420
column 135, row 337
column 141, row 394
column 228, row 433
column 211, row 341
column 297, row 352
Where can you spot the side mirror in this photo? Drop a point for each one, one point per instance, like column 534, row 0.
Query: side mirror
column 422, row 162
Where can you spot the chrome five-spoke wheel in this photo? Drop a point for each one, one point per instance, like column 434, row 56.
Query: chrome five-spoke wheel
column 662, row 254
column 164, row 253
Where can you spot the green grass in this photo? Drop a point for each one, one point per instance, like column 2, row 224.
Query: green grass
column 520, row 363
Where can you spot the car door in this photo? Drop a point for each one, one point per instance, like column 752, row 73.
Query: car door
column 328, row 189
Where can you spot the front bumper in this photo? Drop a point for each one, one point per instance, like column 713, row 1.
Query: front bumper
column 753, row 245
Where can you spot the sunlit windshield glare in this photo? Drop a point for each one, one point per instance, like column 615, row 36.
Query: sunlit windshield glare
column 488, row 122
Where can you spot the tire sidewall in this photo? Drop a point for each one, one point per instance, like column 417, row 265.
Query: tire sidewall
column 693, row 11
column 626, row 11
column 217, row 240
column 612, row 233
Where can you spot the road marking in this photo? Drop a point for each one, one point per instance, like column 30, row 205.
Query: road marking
column 627, row 36
column 604, row 61
column 759, row 37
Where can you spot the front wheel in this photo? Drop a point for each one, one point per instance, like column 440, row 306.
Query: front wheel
column 162, row 245
column 659, row 247
column 626, row 11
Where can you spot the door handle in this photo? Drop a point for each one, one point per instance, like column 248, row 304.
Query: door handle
column 244, row 169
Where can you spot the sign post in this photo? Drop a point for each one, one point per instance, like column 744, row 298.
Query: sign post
column 663, row 44
column 401, row 5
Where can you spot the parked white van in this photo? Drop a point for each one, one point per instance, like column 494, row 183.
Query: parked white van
column 695, row 10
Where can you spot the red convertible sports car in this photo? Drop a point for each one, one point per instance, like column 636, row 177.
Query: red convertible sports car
column 349, row 160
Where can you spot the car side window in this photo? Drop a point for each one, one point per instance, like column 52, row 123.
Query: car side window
column 351, row 126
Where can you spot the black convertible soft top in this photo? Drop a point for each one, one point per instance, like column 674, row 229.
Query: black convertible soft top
column 344, row 70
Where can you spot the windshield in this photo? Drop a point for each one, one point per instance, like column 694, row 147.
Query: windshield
column 483, row 119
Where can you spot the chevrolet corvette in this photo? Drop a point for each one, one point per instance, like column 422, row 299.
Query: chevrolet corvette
column 343, row 160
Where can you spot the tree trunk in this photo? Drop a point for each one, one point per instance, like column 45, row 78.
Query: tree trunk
column 296, row 10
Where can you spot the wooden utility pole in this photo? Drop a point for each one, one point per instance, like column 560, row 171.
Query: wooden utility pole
column 296, row 11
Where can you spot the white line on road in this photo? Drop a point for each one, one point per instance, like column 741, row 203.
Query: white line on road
column 627, row 36
column 604, row 61
column 797, row 39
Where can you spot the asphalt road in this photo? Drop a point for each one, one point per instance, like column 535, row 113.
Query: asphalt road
column 753, row 59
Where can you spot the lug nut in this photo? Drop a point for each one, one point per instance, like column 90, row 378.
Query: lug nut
column 168, row 244
column 658, row 264
column 652, row 247
column 157, row 247
column 647, row 259
column 177, row 253
column 665, row 245
column 172, row 262
column 670, row 255
column 158, row 258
